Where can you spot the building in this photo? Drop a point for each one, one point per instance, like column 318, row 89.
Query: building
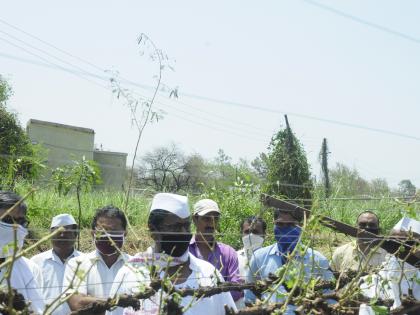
column 65, row 143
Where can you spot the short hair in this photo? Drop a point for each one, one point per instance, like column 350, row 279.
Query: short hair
column 254, row 219
column 156, row 218
column 297, row 215
column 368, row 212
column 8, row 199
column 109, row 212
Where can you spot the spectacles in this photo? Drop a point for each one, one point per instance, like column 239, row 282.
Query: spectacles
column 11, row 220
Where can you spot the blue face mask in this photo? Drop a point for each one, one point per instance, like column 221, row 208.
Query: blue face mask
column 286, row 238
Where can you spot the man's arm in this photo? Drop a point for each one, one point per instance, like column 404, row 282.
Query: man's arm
column 250, row 278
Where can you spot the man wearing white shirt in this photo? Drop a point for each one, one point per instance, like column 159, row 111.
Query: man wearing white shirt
column 52, row 263
column 253, row 232
column 169, row 223
column 396, row 278
column 92, row 274
column 12, row 235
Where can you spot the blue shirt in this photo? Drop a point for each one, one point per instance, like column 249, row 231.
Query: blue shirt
column 268, row 260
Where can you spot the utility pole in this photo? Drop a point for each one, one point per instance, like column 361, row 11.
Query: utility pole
column 324, row 167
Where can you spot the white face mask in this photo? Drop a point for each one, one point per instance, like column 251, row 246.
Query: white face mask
column 252, row 241
column 8, row 238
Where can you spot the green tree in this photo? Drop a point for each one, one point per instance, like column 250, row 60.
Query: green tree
column 80, row 176
column 323, row 158
column 288, row 169
column 406, row 188
column 348, row 182
column 18, row 157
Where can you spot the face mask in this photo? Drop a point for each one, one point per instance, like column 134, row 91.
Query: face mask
column 8, row 238
column 175, row 245
column 252, row 242
column 287, row 238
column 109, row 244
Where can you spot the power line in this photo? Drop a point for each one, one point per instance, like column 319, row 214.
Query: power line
column 49, row 62
column 237, row 104
column 364, row 22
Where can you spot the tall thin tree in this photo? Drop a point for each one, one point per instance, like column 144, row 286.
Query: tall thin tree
column 323, row 156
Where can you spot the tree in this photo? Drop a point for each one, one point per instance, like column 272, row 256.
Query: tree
column 18, row 157
column 260, row 165
column 169, row 169
column 288, row 169
column 348, row 182
column 323, row 157
column 379, row 186
column 406, row 188
column 80, row 176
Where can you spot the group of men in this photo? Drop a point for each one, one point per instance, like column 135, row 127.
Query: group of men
column 62, row 279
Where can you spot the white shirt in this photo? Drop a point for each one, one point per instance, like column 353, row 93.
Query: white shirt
column 93, row 277
column 23, row 280
column 393, row 280
column 243, row 272
column 203, row 274
column 51, row 284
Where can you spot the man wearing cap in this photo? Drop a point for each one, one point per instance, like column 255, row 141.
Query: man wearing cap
column 269, row 259
column 396, row 277
column 361, row 253
column 204, row 245
column 52, row 262
column 91, row 275
column 169, row 224
column 13, row 230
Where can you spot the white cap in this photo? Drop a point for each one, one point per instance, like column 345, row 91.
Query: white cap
column 204, row 206
column 407, row 224
column 62, row 220
column 173, row 203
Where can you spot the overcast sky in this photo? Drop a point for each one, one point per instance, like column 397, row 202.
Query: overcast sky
column 333, row 66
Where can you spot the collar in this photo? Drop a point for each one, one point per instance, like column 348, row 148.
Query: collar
column 274, row 250
column 194, row 266
column 54, row 257
column 97, row 256
column 193, row 242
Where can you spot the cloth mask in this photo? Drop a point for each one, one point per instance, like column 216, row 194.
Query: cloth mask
column 109, row 244
column 287, row 238
column 252, row 242
column 175, row 245
column 7, row 238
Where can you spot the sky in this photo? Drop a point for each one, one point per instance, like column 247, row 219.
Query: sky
column 348, row 71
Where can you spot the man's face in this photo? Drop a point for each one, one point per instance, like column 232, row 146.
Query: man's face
column 285, row 219
column 368, row 222
column 254, row 228
column 66, row 239
column 171, row 226
column 16, row 216
column 109, row 235
column 207, row 225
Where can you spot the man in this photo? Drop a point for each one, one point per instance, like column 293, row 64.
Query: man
column 253, row 233
column 53, row 262
column 268, row 260
column 204, row 245
column 91, row 275
column 396, row 277
column 13, row 224
column 169, row 225
column 360, row 253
